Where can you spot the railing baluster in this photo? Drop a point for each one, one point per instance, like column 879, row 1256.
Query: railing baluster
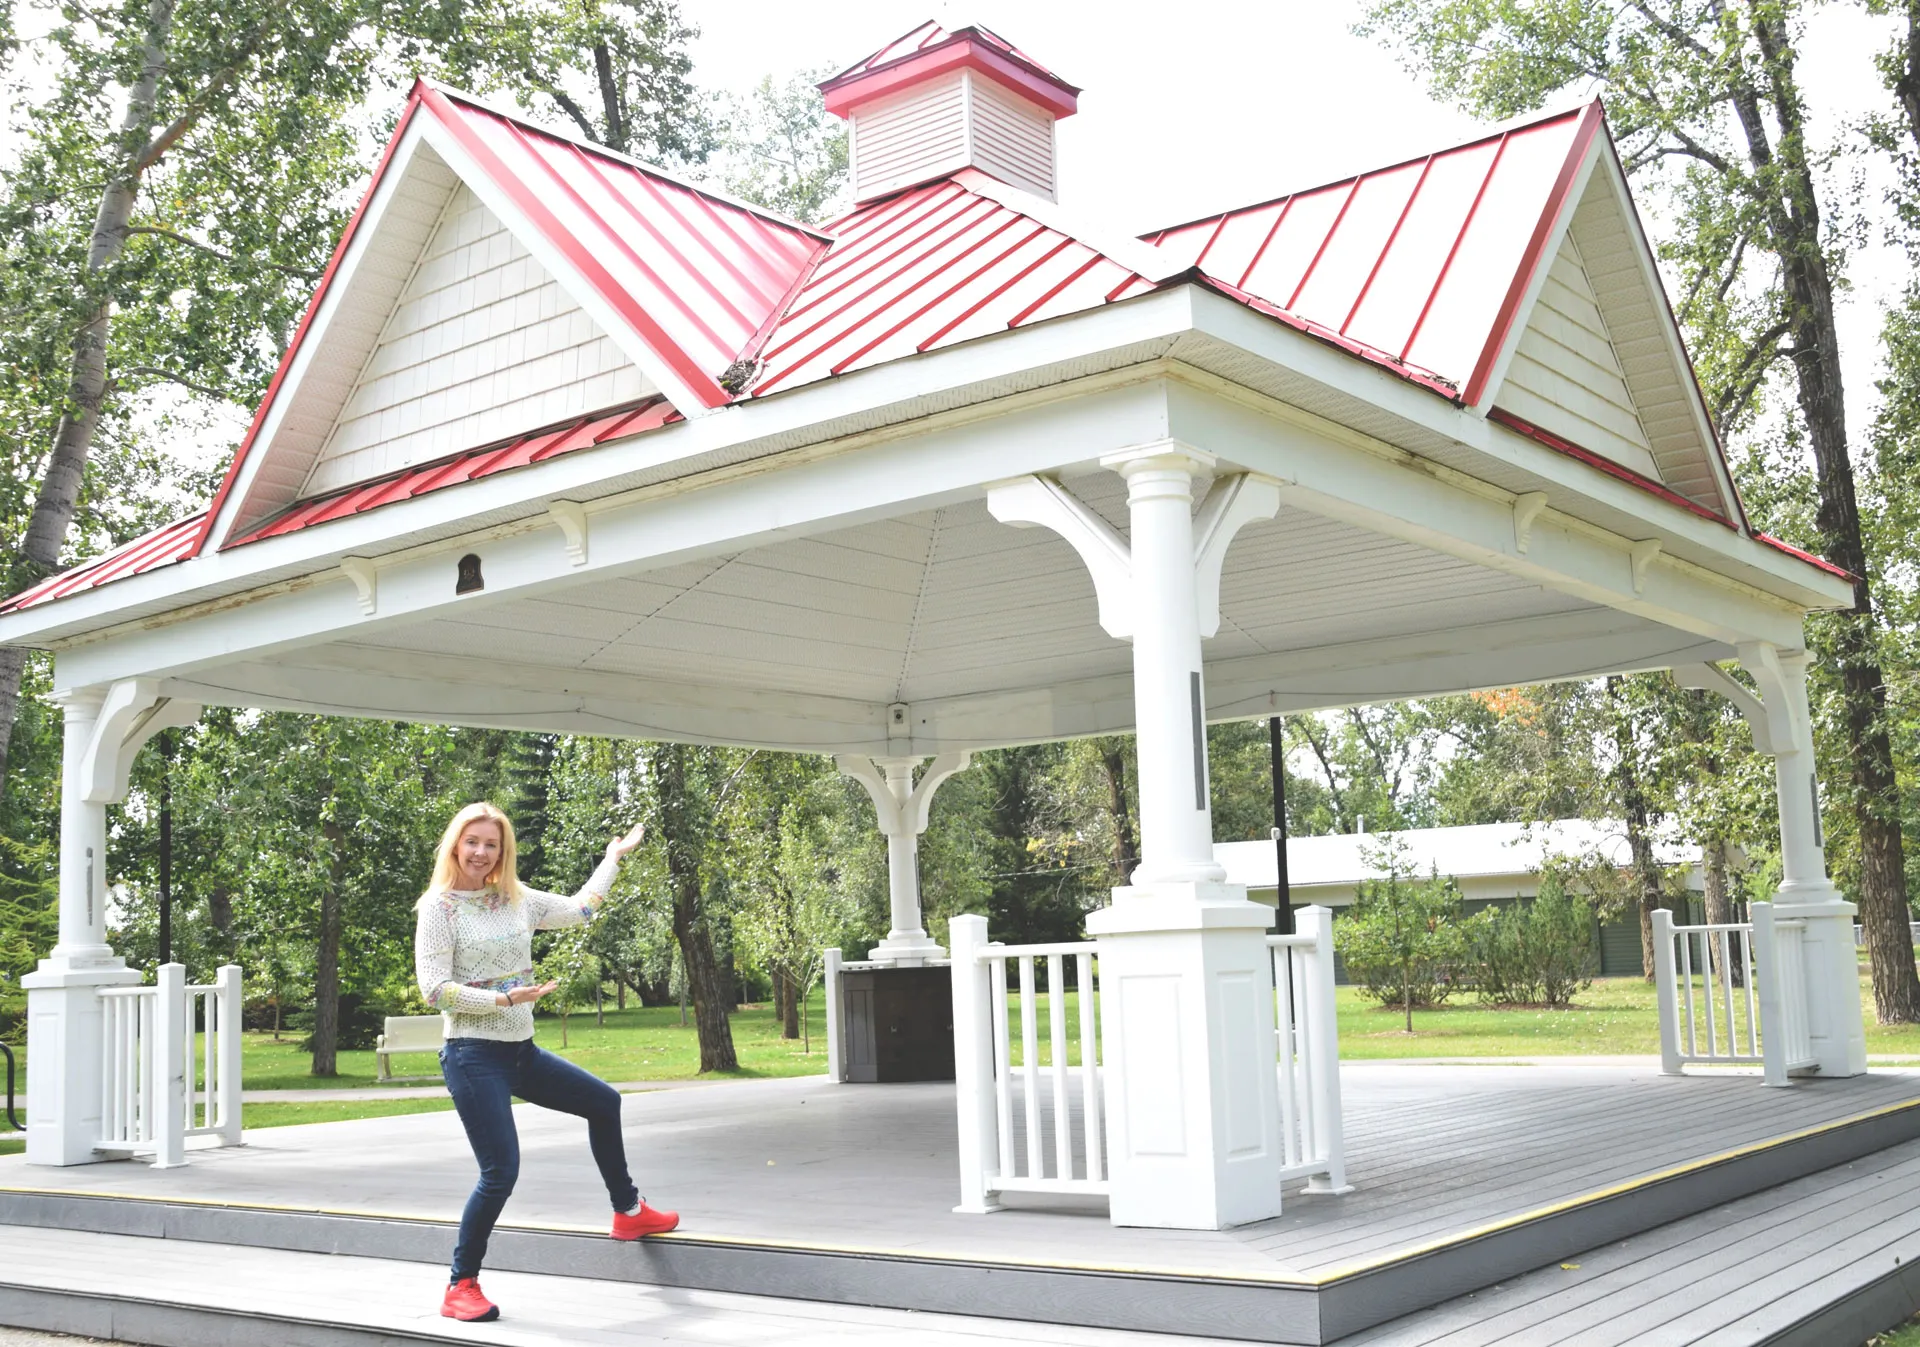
column 1706, row 995
column 1746, row 974
column 1686, row 992
column 1090, row 1067
column 1030, row 1070
column 1286, row 1036
column 1057, row 1034
column 1002, row 1068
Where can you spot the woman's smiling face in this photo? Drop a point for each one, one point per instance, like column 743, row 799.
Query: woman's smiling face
column 478, row 852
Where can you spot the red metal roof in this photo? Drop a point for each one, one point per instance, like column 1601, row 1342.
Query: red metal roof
column 932, row 266
column 150, row 551
column 534, row 447
column 1424, row 262
column 931, row 50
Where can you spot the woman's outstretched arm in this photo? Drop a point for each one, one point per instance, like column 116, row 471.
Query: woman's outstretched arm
column 546, row 911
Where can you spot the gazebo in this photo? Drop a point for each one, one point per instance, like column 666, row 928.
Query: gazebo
column 958, row 471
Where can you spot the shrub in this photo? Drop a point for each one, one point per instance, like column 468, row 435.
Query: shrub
column 1402, row 942
column 1535, row 953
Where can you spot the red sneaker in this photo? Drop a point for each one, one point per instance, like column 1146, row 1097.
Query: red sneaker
column 465, row 1302
column 646, row 1221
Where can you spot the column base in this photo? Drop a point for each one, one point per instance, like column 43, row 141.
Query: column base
column 911, row 950
column 1835, row 1022
column 64, row 1047
column 1186, row 1001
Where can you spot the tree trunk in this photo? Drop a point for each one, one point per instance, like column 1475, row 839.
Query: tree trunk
column 1633, row 810
column 1126, row 848
column 619, row 993
column 326, row 963
column 1792, row 212
column 1713, row 857
column 53, row 508
column 705, row 981
column 790, row 1005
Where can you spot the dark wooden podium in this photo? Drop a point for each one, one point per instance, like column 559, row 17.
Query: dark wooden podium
column 898, row 1025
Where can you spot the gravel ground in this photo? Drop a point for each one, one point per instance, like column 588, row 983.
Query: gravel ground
column 26, row 1337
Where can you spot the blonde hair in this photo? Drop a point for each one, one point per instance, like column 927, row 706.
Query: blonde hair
column 446, row 866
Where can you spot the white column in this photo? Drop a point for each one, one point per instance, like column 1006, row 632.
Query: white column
column 64, row 1042
column 1186, row 986
column 1834, row 1018
column 901, row 807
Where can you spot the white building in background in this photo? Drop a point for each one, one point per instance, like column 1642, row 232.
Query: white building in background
column 1491, row 863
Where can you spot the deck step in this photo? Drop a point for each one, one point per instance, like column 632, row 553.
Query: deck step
column 172, row 1293
column 1826, row 1260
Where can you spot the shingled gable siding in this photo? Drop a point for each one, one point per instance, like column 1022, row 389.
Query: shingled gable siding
column 483, row 343
column 919, row 134
column 1567, row 378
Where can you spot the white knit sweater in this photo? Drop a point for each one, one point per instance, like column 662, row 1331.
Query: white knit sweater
column 471, row 944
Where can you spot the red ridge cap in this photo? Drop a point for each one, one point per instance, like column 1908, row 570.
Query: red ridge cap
column 965, row 49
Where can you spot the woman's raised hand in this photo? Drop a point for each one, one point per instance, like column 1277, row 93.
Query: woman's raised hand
column 620, row 846
column 529, row 993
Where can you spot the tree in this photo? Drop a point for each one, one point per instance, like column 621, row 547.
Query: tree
column 1707, row 106
column 683, row 794
column 779, row 148
column 1402, row 940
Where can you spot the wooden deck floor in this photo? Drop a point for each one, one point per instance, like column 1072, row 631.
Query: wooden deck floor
column 1433, row 1151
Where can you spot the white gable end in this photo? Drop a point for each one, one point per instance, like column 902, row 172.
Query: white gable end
column 481, row 343
column 1566, row 375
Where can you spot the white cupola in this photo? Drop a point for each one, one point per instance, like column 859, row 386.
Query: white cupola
column 933, row 102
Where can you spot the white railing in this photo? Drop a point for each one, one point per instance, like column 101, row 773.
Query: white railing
column 1860, row 934
column 1733, row 993
column 1307, row 1035
column 992, row 1159
column 156, row 1090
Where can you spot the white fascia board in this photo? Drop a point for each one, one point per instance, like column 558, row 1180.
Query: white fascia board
column 647, row 529
column 345, row 277
column 1704, row 540
column 1556, row 236
column 582, row 291
column 1395, row 494
column 908, row 384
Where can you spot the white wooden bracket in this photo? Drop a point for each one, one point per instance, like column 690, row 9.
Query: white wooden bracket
column 1232, row 504
column 571, row 516
column 1027, row 502
column 1712, row 678
column 1780, row 677
column 902, row 808
column 1641, row 554
column 365, row 579
column 133, row 712
column 1526, row 509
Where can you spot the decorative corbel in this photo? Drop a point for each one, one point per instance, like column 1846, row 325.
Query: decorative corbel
column 365, row 579
column 103, row 770
column 1712, row 678
column 1026, row 502
column 1641, row 555
column 1232, row 504
column 1783, row 684
column 571, row 516
column 937, row 772
column 888, row 807
column 1526, row 509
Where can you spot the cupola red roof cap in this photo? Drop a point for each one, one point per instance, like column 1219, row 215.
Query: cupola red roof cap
column 930, row 50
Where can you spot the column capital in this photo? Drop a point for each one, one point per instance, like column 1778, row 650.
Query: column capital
column 1159, row 456
column 80, row 701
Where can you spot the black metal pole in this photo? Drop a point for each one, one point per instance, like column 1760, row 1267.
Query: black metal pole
column 12, row 1121
column 1283, row 889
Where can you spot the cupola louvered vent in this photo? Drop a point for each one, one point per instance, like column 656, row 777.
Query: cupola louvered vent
column 934, row 102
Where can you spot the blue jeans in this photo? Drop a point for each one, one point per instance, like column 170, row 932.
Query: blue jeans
column 483, row 1075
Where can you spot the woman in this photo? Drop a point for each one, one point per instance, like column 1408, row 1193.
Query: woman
column 473, row 954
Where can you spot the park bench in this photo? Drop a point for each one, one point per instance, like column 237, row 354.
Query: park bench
column 408, row 1033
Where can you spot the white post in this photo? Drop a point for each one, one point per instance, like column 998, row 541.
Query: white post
column 169, row 1055
column 1186, row 981
column 831, row 980
column 1666, row 991
column 973, row 1064
column 1766, row 952
column 1834, row 1021
column 1324, row 1025
column 65, row 1032
column 229, row 1016
column 902, row 808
